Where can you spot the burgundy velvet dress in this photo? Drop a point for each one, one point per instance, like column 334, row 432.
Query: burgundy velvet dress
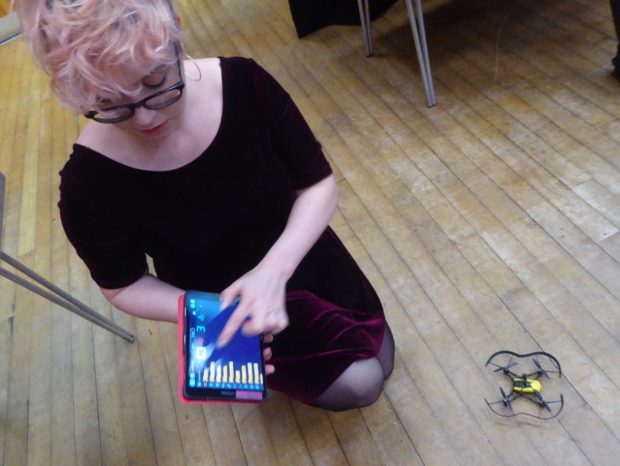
column 207, row 223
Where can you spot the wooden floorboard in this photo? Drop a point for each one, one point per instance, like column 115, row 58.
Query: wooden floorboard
column 490, row 221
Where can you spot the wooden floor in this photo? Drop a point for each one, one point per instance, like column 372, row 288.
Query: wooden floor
column 488, row 222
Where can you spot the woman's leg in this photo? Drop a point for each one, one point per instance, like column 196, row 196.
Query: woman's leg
column 386, row 352
column 361, row 383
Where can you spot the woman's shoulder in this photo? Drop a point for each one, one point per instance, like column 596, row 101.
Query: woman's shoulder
column 92, row 134
column 96, row 139
column 195, row 66
column 227, row 62
column 224, row 75
column 234, row 71
column 241, row 67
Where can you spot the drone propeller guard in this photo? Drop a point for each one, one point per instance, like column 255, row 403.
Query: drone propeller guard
column 526, row 385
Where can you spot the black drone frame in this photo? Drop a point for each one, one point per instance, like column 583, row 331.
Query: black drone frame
column 518, row 379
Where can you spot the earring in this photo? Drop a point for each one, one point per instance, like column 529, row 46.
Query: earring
column 197, row 67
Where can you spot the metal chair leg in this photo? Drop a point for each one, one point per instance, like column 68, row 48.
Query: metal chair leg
column 416, row 20
column 419, row 38
column 424, row 46
column 60, row 297
column 363, row 7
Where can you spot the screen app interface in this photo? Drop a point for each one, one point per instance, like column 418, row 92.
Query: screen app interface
column 236, row 366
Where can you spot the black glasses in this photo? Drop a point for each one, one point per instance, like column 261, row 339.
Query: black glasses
column 157, row 101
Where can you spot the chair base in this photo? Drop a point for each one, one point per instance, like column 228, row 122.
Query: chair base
column 416, row 21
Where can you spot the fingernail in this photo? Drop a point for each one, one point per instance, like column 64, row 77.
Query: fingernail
column 220, row 343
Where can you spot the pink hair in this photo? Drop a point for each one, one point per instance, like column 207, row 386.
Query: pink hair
column 99, row 48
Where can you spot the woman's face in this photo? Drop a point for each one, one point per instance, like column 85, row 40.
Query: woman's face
column 150, row 124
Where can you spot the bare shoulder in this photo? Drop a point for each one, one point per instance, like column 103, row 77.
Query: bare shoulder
column 108, row 140
column 95, row 135
column 203, row 77
column 212, row 63
column 203, row 69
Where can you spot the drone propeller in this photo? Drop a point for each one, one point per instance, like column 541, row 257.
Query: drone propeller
column 542, row 402
column 506, row 368
column 506, row 400
column 541, row 371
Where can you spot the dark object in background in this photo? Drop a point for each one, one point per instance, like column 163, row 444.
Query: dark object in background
column 615, row 13
column 312, row 15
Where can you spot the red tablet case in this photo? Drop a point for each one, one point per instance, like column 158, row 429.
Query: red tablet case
column 181, row 330
column 181, row 350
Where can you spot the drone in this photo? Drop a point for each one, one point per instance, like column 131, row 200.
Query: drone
column 526, row 385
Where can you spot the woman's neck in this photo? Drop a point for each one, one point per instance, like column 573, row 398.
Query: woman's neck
column 191, row 131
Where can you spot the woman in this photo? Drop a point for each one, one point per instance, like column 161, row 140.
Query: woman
column 208, row 167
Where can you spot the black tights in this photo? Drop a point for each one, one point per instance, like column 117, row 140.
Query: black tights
column 361, row 383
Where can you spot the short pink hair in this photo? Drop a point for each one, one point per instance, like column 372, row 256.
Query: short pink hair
column 95, row 49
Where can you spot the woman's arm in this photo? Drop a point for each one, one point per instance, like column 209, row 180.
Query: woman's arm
column 262, row 290
column 147, row 298
column 150, row 298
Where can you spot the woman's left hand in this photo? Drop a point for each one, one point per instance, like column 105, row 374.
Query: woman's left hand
column 262, row 299
column 267, row 339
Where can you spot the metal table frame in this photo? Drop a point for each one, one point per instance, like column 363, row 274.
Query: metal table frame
column 50, row 291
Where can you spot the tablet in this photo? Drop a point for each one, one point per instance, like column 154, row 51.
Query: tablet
column 234, row 372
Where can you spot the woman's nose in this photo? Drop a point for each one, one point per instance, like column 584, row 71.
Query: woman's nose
column 143, row 116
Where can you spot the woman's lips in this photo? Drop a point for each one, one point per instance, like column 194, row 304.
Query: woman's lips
column 153, row 130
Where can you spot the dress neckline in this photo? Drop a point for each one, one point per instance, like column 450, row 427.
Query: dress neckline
column 105, row 160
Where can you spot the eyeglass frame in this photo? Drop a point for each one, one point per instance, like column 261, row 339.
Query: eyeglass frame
column 180, row 85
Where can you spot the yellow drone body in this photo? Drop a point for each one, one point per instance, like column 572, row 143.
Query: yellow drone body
column 526, row 385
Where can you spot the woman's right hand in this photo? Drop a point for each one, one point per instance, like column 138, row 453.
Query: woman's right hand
column 262, row 304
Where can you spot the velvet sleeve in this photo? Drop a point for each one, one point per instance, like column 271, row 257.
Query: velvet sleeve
column 291, row 137
column 111, row 253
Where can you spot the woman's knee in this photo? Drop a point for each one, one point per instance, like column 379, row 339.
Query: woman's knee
column 366, row 381
column 358, row 386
